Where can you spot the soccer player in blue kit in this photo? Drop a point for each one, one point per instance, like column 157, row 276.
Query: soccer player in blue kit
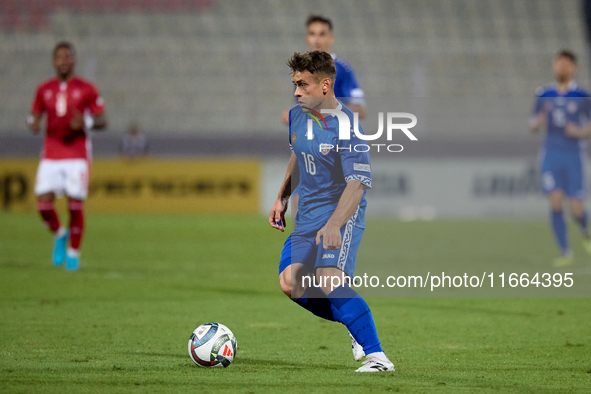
column 333, row 175
column 564, row 109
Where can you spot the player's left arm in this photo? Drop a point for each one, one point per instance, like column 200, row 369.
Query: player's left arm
column 357, row 173
column 573, row 130
column 99, row 122
column 98, row 116
column 95, row 122
column 348, row 204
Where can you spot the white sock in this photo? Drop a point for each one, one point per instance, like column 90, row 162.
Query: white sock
column 60, row 232
column 378, row 356
column 73, row 252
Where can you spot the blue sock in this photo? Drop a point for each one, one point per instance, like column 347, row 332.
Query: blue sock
column 583, row 223
column 316, row 302
column 559, row 228
column 355, row 314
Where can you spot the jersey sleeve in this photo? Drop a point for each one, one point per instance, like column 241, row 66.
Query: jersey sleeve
column 350, row 87
column 96, row 105
column 356, row 165
column 289, row 133
column 38, row 103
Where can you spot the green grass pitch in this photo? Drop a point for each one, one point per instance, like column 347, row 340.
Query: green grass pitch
column 121, row 324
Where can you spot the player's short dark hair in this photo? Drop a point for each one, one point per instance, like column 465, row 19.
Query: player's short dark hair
column 64, row 44
column 318, row 63
column 568, row 54
column 319, row 18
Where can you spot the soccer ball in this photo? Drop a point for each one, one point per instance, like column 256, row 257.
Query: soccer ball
column 212, row 345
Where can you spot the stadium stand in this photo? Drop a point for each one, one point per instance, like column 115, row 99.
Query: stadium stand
column 213, row 66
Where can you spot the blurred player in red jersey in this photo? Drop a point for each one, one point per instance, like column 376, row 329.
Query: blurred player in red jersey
column 73, row 106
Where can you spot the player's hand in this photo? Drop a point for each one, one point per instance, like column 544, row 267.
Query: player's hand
column 331, row 237
column 574, row 131
column 34, row 123
column 77, row 122
column 277, row 214
column 539, row 121
column 285, row 118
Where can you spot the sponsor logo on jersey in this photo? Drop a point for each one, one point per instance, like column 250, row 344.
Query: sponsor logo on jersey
column 328, row 256
column 361, row 167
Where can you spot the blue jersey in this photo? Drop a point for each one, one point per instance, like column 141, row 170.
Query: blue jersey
column 574, row 105
column 326, row 164
column 346, row 84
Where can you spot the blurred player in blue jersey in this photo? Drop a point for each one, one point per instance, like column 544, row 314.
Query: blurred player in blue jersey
column 333, row 174
column 564, row 109
column 319, row 37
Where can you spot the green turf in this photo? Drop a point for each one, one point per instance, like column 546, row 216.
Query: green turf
column 121, row 324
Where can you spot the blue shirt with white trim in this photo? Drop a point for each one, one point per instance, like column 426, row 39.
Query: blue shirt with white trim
column 326, row 164
column 574, row 105
column 346, row 85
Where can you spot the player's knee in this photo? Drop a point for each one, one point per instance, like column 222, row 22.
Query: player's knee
column 285, row 283
column 556, row 204
column 46, row 197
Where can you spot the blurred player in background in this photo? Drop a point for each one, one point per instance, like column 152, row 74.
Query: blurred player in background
column 331, row 215
column 72, row 107
column 564, row 109
column 319, row 37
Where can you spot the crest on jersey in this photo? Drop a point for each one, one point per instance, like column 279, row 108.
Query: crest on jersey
column 294, row 137
column 76, row 94
column 47, row 94
column 572, row 107
column 325, row 148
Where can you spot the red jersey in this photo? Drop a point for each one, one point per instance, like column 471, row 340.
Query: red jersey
column 60, row 100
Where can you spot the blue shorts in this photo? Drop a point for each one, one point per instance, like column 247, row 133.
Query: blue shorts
column 303, row 249
column 564, row 171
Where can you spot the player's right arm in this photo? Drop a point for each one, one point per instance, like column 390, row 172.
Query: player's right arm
column 285, row 117
column 277, row 214
column 37, row 109
column 539, row 117
column 34, row 122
